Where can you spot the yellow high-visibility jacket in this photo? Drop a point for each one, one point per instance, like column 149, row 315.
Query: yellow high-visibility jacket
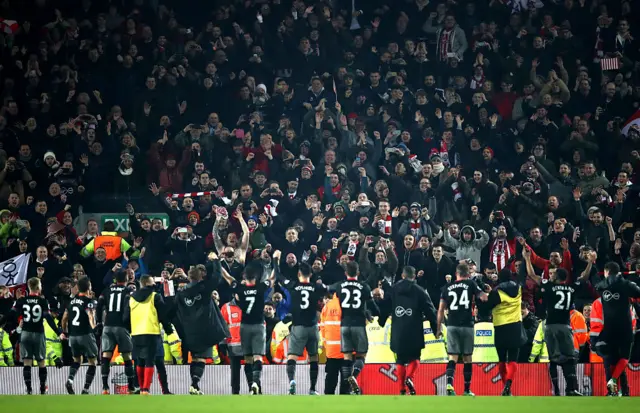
column 539, row 348
column 6, row 350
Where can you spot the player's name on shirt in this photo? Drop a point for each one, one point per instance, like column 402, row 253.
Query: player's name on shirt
column 456, row 286
column 562, row 287
column 307, row 287
column 356, row 284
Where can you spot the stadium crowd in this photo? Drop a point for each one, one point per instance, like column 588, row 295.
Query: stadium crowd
column 390, row 133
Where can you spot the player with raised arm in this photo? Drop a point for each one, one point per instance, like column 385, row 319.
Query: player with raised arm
column 458, row 297
column 304, row 329
column 250, row 297
column 558, row 300
column 355, row 299
column 111, row 307
column 79, row 321
column 33, row 309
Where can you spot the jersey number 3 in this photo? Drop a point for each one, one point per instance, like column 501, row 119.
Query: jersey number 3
column 348, row 302
column 304, row 299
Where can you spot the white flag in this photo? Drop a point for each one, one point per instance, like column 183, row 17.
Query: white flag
column 13, row 272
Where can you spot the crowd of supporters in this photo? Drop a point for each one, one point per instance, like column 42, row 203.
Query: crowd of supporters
column 390, row 133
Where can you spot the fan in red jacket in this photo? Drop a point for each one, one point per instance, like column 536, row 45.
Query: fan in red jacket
column 557, row 259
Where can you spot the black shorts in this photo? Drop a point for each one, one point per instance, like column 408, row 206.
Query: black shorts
column 145, row 346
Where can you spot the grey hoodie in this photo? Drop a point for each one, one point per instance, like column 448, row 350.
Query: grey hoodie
column 471, row 249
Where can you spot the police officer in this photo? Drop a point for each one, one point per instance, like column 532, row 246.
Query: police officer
column 407, row 303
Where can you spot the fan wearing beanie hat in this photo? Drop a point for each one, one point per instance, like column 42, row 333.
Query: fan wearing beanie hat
column 50, row 160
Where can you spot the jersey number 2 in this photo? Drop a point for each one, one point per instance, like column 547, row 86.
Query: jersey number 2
column 347, row 303
column 565, row 300
column 76, row 317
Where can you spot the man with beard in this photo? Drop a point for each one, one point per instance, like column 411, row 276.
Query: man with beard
column 557, row 259
column 234, row 268
column 501, row 249
column 385, row 266
column 537, row 242
column 594, row 232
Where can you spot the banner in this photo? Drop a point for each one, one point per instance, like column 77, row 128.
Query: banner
column 13, row 272
column 530, row 380
column 121, row 221
column 375, row 379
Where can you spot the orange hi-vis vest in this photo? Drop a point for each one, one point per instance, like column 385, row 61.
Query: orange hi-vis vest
column 596, row 322
column 282, row 353
column 330, row 328
column 232, row 314
column 579, row 328
column 597, row 325
column 111, row 245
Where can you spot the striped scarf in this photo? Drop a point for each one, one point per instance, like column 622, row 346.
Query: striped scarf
column 415, row 228
column 500, row 253
column 384, row 225
column 445, row 46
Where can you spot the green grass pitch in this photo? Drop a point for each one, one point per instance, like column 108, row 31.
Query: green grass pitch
column 307, row 404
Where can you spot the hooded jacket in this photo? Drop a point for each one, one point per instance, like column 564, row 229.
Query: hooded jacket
column 471, row 249
column 199, row 316
column 161, row 307
column 408, row 304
